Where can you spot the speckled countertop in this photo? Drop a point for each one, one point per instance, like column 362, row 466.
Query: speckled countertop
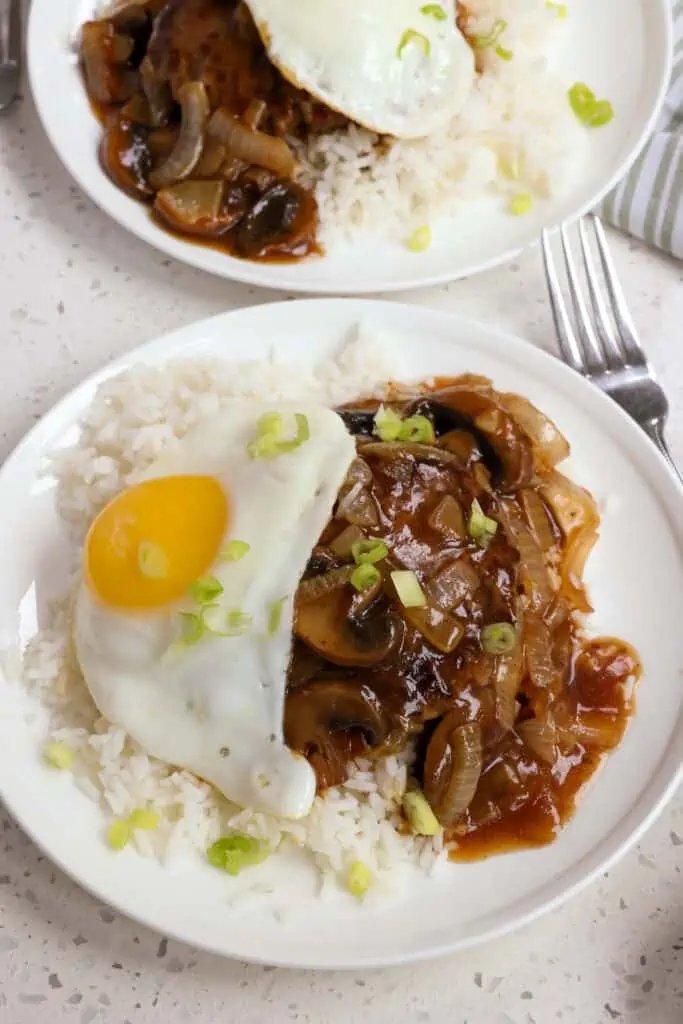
column 75, row 291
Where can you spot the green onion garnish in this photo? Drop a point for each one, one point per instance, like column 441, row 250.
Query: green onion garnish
column 490, row 38
column 434, row 11
column 152, row 561
column 238, row 622
column 358, row 879
column 192, row 628
column 206, row 589
column 481, row 529
column 235, row 550
column 269, row 442
column 411, row 36
column 498, row 638
column 237, row 851
column 387, row 424
column 521, row 204
column 58, row 755
column 140, row 818
column 420, row 239
column 503, row 53
column 417, row 429
column 410, row 593
column 367, row 552
column 275, row 615
column 560, row 8
column 590, row 111
column 421, row 817
column 508, row 167
column 364, row 576
column 118, row 834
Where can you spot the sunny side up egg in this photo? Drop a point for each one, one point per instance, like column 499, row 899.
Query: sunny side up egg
column 183, row 620
column 398, row 67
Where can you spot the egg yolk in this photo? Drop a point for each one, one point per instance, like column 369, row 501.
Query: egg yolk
column 153, row 540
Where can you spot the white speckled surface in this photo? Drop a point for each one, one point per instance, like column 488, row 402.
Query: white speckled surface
column 75, row 291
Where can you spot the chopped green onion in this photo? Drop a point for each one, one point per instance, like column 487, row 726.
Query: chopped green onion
column 152, row 561
column 119, row 833
column 192, row 628
column 590, row 111
column 58, row 755
column 364, row 576
column 411, row 36
column 147, row 820
column 417, row 429
column 491, row 38
column 481, row 529
column 367, row 552
column 521, row 204
column 206, row 589
column 269, row 443
column 421, row 817
column 508, row 167
column 434, row 11
column 420, row 239
column 238, row 622
column 410, row 593
column 275, row 615
column 498, row 638
column 560, row 8
column 387, row 424
column 358, row 879
column 235, row 550
column 503, row 53
column 237, row 851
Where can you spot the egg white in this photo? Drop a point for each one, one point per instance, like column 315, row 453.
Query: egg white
column 347, row 55
column 216, row 708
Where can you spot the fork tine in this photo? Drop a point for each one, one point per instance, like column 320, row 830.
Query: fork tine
column 593, row 354
column 629, row 339
column 603, row 326
column 569, row 345
column 14, row 32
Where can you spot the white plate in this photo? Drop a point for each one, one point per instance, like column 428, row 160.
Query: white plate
column 636, row 580
column 622, row 48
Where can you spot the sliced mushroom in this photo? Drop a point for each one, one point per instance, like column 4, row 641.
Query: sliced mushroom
column 125, row 157
column 341, row 627
column 331, row 721
column 194, row 109
column 477, row 408
column 359, row 422
column 452, row 768
column 399, row 449
column 285, row 215
column 252, row 146
column 107, row 78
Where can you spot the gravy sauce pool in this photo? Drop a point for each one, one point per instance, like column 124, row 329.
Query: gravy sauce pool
column 521, row 799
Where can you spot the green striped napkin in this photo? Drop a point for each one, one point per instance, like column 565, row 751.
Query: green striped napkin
column 649, row 201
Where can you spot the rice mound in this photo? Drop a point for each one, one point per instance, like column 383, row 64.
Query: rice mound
column 134, row 417
column 517, row 134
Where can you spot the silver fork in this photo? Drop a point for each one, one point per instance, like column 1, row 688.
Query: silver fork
column 602, row 343
column 10, row 51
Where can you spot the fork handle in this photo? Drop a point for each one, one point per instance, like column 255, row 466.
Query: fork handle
column 655, row 431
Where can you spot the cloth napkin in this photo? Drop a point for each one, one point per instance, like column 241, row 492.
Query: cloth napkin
column 649, row 201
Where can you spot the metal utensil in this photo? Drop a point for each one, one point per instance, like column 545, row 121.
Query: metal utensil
column 10, row 51
column 602, row 343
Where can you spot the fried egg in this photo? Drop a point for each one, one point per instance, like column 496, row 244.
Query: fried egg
column 398, row 67
column 183, row 619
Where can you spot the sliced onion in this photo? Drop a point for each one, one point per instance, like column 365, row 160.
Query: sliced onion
column 96, row 41
column 548, row 444
column 507, row 679
column 594, row 729
column 539, row 654
column 448, row 518
column 194, row 206
column 253, row 115
column 453, row 584
column 452, row 769
column 577, row 516
column 211, row 161
column 540, row 737
column 357, row 507
column 537, row 518
column 441, row 629
column 534, row 574
column 393, row 450
column 194, row 108
column 344, row 541
column 157, row 93
column 359, row 473
column 253, row 147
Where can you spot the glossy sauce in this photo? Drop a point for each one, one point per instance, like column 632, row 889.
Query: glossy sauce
column 520, row 801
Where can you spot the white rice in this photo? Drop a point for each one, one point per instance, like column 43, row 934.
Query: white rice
column 517, row 119
column 134, row 417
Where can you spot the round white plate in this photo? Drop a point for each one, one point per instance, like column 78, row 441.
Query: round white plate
column 622, row 48
column 636, row 580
